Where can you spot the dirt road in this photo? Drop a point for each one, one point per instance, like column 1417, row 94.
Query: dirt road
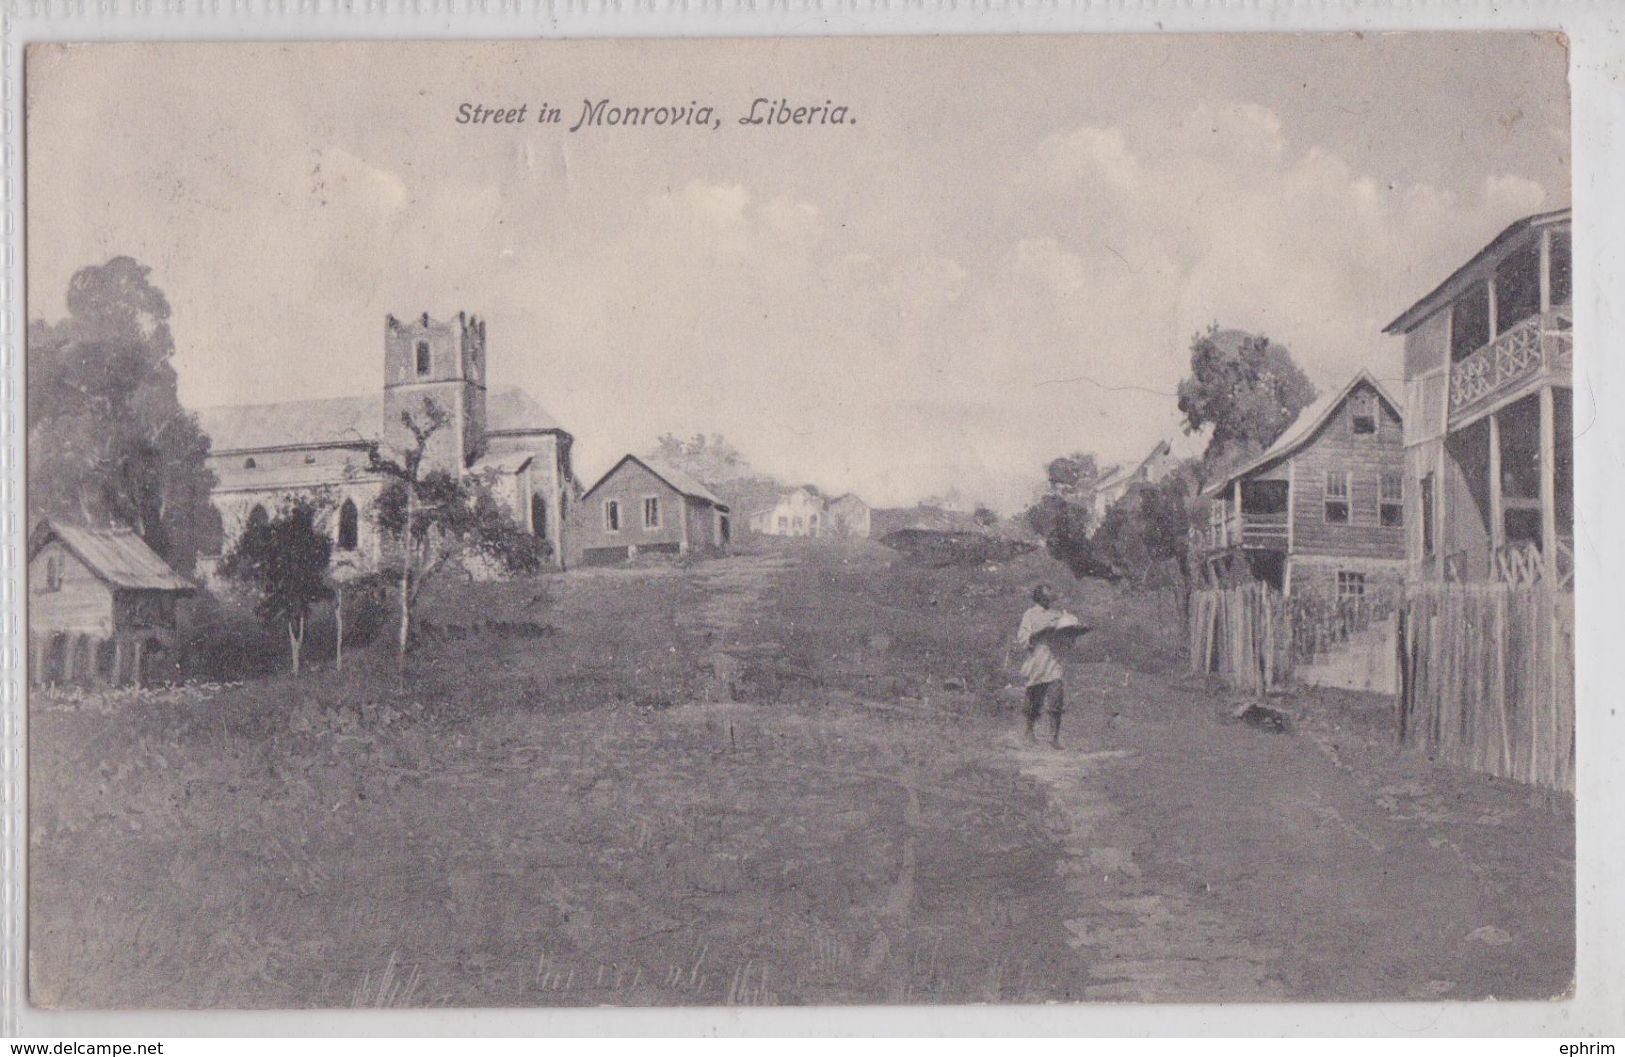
column 793, row 776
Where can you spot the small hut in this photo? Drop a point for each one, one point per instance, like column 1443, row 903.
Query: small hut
column 101, row 605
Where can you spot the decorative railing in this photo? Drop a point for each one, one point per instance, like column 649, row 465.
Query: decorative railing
column 1544, row 342
column 1521, row 564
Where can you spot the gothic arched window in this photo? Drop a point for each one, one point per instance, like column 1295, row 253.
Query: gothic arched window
column 258, row 517
column 423, row 358
column 538, row 515
column 349, row 526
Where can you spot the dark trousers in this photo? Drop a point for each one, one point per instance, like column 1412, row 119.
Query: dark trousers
column 1045, row 697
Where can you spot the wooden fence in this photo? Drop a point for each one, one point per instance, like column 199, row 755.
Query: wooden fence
column 1487, row 678
column 1241, row 634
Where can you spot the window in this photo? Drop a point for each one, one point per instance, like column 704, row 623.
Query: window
column 538, row 516
column 784, row 523
column 612, row 515
column 1350, row 586
column 1470, row 322
column 349, row 526
column 812, row 524
column 651, row 513
column 53, row 572
column 1337, row 497
column 257, row 517
column 1425, row 489
column 249, row 463
column 1392, row 498
column 1561, row 278
column 1363, row 413
column 800, row 526
column 423, row 358
column 310, row 460
column 1517, row 288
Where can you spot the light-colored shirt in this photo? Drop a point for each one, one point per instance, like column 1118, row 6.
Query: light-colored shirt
column 1041, row 665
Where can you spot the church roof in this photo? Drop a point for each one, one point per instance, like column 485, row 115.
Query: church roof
column 347, row 419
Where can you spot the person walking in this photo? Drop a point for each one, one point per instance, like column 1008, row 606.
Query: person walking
column 1042, row 668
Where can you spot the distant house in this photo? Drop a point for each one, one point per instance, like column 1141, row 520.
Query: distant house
column 799, row 512
column 644, row 507
column 1116, row 482
column 848, row 517
column 1322, row 511
column 101, row 605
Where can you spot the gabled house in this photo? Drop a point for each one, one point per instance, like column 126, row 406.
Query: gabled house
column 642, row 506
column 799, row 512
column 848, row 517
column 101, row 605
column 1489, row 360
column 1322, row 511
column 1116, row 482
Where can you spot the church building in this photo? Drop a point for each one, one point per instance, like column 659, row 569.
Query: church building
column 263, row 454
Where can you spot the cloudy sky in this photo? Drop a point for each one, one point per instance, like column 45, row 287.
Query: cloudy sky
column 1003, row 259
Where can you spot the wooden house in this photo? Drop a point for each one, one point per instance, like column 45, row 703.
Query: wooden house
column 643, row 507
column 1322, row 511
column 101, row 605
column 1489, row 359
column 848, row 517
column 1118, row 481
column 798, row 512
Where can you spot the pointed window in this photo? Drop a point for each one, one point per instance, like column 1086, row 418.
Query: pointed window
column 349, row 526
column 538, row 515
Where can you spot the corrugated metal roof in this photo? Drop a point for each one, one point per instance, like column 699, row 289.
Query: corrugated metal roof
column 680, row 481
column 347, row 419
column 117, row 556
column 1447, row 290
column 1305, row 426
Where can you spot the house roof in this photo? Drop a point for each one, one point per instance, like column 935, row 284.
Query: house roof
column 348, row 420
column 1304, row 428
column 1119, row 474
column 1447, row 291
column 116, row 556
column 679, row 481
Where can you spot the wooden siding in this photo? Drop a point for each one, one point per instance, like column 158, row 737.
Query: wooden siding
column 630, row 485
column 83, row 603
column 704, row 528
column 1366, row 457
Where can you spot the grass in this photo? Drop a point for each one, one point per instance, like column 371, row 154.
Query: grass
column 783, row 777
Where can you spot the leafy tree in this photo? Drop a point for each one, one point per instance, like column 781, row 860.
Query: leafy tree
column 434, row 519
column 108, row 439
column 1144, row 536
column 1064, row 514
column 1247, row 388
column 284, row 560
column 985, row 516
column 1074, row 476
column 711, row 459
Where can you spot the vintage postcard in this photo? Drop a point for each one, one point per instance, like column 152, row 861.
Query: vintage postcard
column 1066, row 519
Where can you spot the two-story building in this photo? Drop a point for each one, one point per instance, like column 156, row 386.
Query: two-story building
column 1322, row 511
column 1489, row 358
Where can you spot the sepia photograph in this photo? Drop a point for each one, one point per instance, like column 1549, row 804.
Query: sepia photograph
column 800, row 522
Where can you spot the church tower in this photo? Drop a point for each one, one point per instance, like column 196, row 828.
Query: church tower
column 425, row 359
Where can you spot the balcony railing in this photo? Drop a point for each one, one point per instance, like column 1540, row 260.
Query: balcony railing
column 1251, row 531
column 1521, row 563
column 1543, row 343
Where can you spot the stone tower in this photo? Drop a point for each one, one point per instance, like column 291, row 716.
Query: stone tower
column 425, row 359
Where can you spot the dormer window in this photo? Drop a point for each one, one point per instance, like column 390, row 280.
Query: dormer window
column 423, row 358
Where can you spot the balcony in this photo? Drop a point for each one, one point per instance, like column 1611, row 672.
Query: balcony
column 1538, row 347
column 1249, row 531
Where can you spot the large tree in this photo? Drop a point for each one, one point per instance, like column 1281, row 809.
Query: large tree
column 1144, row 537
column 108, row 439
column 1247, row 388
column 1064, row 514
column 433, row 519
